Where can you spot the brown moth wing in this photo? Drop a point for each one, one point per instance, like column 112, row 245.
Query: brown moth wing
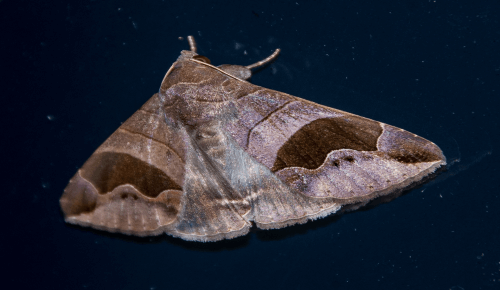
column 309, row 160
column 327, row 153
column 133, row 181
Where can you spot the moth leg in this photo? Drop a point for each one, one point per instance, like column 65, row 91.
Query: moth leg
column 265, row 61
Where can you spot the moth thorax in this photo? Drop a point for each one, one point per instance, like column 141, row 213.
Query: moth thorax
column 208, row 135
column 202, row 114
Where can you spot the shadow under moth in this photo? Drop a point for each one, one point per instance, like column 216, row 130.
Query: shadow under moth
column 211, row 153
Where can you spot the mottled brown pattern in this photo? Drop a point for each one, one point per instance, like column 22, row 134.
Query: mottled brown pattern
column 266, row 117
column 406, row 147
column 153, row 127
column 124, row 209
column 186, row 72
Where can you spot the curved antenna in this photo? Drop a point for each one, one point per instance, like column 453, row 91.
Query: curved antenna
column 265, row 61
column 192, row 43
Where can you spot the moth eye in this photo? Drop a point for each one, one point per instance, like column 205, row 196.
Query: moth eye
column 202, row 58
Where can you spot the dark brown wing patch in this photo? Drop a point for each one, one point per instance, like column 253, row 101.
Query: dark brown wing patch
column 108, row 170
column 309, row 146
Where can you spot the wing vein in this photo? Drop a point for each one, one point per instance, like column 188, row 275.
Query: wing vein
column 264, row 119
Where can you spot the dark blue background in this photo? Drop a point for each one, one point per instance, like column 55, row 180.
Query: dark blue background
column 72, row 71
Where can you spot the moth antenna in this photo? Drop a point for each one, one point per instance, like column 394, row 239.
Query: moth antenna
column 192, row 43
column 265, row 61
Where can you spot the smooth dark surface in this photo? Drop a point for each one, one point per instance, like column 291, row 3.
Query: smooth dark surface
column 72, row 71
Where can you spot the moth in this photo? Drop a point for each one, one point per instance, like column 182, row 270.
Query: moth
column 211, row 154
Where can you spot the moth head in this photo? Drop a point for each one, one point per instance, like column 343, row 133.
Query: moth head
column 185, row 55
column 238, row 71
column 202, row 58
